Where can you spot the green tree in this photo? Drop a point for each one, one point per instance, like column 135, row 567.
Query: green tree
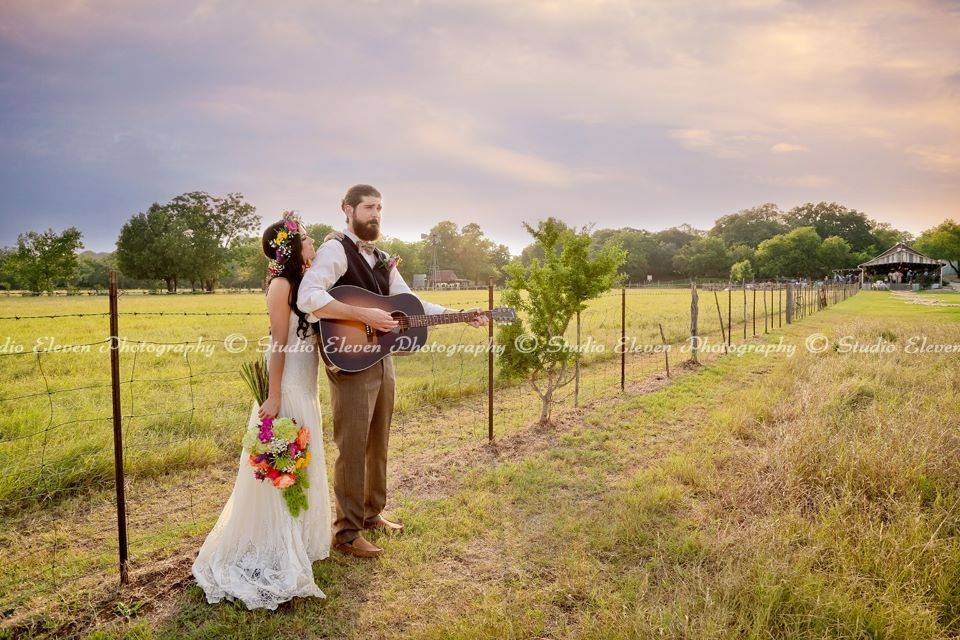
column 832, row 219
column 43, row 260
column 410, row 254
column 834, row 253
column 790, row 254
column 942, row 242
column 213, row 224
column 94, row 269
column 151, row 246
column 466, row 251
column 546, row 294
column 635, row 242
column 741, row 271
column 750, row 226
column 885, row 236
column 8, row 274
column 706, row 256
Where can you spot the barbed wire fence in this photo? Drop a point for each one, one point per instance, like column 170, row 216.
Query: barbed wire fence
column 159, row 472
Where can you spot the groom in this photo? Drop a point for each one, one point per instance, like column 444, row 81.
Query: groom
column 362, row 401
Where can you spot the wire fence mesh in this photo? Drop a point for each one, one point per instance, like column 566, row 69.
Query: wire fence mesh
column 183, row 408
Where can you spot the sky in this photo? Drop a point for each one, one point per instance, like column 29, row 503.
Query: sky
column 642, row 114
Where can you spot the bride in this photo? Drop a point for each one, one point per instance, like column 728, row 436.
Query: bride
column 257, row 552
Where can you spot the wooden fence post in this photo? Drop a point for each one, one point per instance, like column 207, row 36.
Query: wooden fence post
column 766, row 315
column 694, row 313
column 744, row 309
column 576, row 368
column 729, row 309
column 789, row 303
column 723, row 335
column 779, row 305
column 754, row 314
column 666, row 352
column 117, row 429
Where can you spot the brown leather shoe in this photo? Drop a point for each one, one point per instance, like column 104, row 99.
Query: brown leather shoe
column 359, row 547
column 382, row 524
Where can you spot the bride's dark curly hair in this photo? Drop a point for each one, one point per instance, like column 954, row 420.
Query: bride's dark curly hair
column 292, row 270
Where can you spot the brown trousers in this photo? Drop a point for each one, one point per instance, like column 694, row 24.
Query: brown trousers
column 362, row 409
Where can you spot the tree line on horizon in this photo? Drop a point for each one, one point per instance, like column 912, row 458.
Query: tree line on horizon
column 204, row 241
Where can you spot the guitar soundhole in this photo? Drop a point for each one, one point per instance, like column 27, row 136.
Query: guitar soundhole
column 400, row 317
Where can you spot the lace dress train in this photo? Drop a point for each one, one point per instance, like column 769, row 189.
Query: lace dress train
column 257, row 552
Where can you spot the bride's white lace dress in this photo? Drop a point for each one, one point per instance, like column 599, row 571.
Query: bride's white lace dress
column 256, row 552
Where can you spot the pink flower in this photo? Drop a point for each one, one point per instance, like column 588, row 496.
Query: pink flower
column 293, row 449
column 266, row 422
column 291, row 225
column 284, row 481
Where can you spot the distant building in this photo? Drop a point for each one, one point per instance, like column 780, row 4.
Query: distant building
column 419, row 281
column 901, row 267
column 447, row 279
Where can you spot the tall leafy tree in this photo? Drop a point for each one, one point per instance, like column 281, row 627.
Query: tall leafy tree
column 547, row 293
column 635, row 242
column 750, row 226
column 152, row 246
column 213, row 225
column 703, row 257
column 9, row 279
column 943, row 242
column 834, row 253
column 44, row 260
column 790, row 254
column 832, row 219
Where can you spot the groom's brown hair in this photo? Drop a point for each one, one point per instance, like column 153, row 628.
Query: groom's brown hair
column 356, row 193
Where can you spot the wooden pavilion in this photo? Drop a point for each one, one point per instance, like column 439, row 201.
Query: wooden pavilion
column 901, row 267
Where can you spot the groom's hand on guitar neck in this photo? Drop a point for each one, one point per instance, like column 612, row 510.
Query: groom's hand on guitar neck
column 479, row 319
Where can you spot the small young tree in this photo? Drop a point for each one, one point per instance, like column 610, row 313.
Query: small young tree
column 43, row 260
column 547, row 293
column 741, row 271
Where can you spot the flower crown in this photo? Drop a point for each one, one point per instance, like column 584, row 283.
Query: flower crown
column 282, row 241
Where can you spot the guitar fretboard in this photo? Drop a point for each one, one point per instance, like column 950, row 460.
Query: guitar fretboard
column 424, row 320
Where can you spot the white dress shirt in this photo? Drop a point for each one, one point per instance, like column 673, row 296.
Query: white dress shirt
column 331, row 263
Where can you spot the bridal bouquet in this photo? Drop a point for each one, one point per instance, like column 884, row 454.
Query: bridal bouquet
column 279, row 452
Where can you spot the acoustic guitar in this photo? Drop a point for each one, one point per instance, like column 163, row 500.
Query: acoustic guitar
column 351, row 346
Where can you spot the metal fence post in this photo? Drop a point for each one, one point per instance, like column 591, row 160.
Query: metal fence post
column 117, row 430
column 623, row 338
column 490, row 362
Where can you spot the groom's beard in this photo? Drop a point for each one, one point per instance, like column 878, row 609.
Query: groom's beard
column 369, row 231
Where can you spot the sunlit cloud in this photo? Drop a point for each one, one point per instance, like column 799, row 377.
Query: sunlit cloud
column 786, row 147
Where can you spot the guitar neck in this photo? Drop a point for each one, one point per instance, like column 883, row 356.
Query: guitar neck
column 424, row 320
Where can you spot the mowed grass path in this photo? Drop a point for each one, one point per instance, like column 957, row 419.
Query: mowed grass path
column 816, row 496
column 184, row 413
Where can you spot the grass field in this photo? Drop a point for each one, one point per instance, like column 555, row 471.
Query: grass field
column 466, row 505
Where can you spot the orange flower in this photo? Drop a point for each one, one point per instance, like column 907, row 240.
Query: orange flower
column 283, row 481
column 303, row 438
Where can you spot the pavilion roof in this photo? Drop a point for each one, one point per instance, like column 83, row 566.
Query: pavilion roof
column 900, row 253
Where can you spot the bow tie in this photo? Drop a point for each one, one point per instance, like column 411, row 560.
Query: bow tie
column 366, row 246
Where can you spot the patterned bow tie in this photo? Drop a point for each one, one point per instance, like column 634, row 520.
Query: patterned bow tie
column 366, row 246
